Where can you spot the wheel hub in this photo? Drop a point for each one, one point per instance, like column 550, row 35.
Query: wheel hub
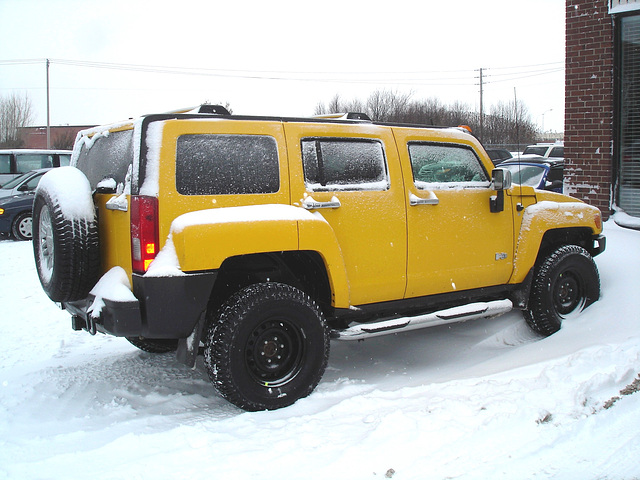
column 567, row 296
column 45, row 240
column 273, row 353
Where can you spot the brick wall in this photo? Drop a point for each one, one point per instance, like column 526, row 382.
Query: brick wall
column 588, row 135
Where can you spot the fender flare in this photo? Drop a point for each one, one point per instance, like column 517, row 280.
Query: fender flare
column 536, row 222
column 204, row 239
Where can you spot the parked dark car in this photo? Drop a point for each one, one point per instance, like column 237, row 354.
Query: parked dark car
column 498, row 155
column 536, row 171
column 27, row 182
column 15, row 216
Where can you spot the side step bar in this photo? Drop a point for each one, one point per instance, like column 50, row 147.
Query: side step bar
column 451, row 315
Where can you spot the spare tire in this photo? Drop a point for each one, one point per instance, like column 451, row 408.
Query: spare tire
column 65, row 235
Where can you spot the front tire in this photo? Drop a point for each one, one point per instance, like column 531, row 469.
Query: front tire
column 268, row 347
column 21, row 228
column 565, row 283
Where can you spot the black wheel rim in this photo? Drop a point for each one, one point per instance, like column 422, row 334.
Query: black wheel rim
column 568, row 292
column 274, row 352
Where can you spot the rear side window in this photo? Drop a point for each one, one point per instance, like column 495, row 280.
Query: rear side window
column 5, row 163
column 227, row 164
column 557, row 152
column 106, row 156
column 65, row 160
column 448, row 164
column 344, row 164
column 27, row 162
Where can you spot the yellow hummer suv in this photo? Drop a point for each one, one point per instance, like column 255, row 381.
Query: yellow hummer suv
column 262, row 238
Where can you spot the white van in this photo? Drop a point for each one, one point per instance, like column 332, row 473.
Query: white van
column 18, row 161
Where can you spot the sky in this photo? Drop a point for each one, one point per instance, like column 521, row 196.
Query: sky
column 125, row 58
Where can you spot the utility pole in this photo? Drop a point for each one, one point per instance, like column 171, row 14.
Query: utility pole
column 48, row 123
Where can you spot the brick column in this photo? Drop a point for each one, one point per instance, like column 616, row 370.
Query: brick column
column 588, row 127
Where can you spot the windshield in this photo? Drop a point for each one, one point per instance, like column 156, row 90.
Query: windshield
column 529, row 175
column 16, row 181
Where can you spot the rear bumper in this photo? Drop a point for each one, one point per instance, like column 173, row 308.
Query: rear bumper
column 166, row 307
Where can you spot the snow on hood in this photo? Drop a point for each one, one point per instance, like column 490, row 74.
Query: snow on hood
column 550, row 208
column 166, row 263
column 253, row 213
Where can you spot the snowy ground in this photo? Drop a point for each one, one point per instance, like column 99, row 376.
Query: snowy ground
column 482, row 400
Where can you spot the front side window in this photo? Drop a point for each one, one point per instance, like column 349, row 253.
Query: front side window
column 227, row 164
column 344, row 164
column 445, row 164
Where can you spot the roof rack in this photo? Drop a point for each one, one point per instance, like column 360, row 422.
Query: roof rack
column 204, row 108
column 345, row 116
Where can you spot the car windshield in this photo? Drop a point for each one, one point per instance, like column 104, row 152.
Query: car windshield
column 529, row 175
column 16, row 181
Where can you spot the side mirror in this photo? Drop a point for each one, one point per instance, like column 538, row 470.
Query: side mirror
column 501, row 179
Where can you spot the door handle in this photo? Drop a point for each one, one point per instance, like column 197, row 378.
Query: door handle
column 311, row 204
column 415, row 200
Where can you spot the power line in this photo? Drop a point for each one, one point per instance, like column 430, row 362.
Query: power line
column 407, row 78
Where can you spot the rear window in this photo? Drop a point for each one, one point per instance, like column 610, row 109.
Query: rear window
column 106, row 156
column 227, row 164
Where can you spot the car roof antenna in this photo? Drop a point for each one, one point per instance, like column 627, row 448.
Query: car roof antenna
column 519, row 205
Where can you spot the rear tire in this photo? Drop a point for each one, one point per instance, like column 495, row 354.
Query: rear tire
column 268, row 347
column 21, row 228
column 565, row 283
column 65, row 237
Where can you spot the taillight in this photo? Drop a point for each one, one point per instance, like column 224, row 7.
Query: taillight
column 144, row 232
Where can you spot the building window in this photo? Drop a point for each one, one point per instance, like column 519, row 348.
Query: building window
column 628, row 197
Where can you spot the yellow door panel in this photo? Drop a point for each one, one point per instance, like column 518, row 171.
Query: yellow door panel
column 454, row 241
column 366, row 210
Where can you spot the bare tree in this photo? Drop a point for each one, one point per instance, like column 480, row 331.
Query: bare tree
column 64, row 141
column 503, row 125
column 15, row 111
